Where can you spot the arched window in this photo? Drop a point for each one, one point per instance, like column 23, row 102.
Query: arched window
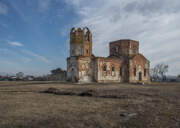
column 113, row 71
column 73, row 30
column 145, row 72
column 87, row 36
column 87, row 33
column 134, row 71
column 104, row 70
column 120, row 71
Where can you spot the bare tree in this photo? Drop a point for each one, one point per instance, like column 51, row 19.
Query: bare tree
column 154, row 74
column 58, row 74
column 57, row 71
column 159, row 71
column 163, row 69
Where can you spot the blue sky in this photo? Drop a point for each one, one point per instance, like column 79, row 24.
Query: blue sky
column 34, row 34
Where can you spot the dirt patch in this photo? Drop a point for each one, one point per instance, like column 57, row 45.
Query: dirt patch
column 83, row 93
column 58, row 92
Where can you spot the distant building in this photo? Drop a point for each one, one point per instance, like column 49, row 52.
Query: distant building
column 124, row 64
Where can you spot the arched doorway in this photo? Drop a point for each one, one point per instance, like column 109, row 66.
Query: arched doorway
column 73, row 76
column 140, row 76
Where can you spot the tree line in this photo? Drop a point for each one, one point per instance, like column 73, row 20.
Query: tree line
column 57, row 74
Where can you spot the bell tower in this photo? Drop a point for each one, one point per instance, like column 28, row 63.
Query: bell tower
column 80, row 42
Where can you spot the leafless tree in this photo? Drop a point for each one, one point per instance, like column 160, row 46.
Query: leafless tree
column 163, row 69
column 159, row 71
column 154, row 74
column 58, row 74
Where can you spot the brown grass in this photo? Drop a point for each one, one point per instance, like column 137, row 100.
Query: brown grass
column 23, row 105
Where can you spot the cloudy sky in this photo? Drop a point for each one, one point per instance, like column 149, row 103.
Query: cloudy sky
column 34, row 34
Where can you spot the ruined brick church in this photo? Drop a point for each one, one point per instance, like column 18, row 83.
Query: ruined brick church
column 124, row 64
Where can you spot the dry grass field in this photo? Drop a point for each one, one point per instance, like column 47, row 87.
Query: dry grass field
column 63, row 105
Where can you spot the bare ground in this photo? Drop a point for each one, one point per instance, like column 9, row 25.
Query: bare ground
column 64, row 105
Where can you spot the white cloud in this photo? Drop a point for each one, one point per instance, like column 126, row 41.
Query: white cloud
column 154, row 23
column 39, row 57
column 3, row 9
column 14, row 43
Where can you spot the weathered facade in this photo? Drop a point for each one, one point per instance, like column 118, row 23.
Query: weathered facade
column 124, row 64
